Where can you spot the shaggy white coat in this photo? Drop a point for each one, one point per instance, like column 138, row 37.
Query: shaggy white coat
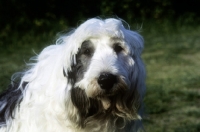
column 46, row 105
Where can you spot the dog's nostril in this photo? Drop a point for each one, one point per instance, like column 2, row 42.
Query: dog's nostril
column 107, row 80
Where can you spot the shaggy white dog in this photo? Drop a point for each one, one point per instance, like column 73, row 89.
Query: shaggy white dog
column 91, row 80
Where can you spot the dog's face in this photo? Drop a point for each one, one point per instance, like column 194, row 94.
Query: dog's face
column 105, row 64
column 107, row 74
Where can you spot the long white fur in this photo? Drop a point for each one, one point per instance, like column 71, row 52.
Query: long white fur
column 45, row 106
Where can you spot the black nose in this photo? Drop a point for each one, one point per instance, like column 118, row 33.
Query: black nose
column 107, row 80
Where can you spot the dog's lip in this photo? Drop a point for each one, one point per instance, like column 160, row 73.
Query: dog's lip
column 106, row 94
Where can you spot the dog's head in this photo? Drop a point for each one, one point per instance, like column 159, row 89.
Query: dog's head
column 106, row 73
column 94, row 74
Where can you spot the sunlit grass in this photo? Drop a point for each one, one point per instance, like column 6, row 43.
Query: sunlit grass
column 172, row 60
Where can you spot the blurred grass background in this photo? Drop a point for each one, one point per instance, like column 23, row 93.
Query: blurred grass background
column 171, row 31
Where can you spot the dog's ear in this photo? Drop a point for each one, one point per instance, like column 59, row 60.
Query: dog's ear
column 137, row 74
column 135, row 42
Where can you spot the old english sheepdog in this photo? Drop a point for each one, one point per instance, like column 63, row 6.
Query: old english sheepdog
column 91, row 80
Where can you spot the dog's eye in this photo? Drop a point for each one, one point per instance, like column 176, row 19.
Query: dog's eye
column 87, row 52
column 117, row 48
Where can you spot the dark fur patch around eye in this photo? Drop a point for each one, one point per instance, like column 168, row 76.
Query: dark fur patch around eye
column 87, row 52
column 83, row 58
column 87, row 48
column 117, row 47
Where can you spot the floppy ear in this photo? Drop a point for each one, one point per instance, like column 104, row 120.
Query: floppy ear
column 136, row 44
column 135, row 41
column 139, row 73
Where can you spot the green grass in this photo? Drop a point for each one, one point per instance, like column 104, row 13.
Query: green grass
column 172, row 60
column 173, row 77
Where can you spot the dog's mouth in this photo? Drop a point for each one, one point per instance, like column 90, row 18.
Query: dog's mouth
column 118, row 104
column 104, row 100
column 104, row 94
column 111, row 93
column 109, row 97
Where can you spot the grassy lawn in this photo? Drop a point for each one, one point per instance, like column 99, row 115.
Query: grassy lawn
column 172, row 60
column 173, row 77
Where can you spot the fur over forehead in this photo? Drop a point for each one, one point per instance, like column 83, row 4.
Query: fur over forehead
column 67, row 46
column 97, row 28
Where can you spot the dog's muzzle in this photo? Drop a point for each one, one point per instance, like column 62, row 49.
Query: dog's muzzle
column 107, row 80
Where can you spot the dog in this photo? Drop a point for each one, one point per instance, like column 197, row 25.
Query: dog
column 91, row 80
